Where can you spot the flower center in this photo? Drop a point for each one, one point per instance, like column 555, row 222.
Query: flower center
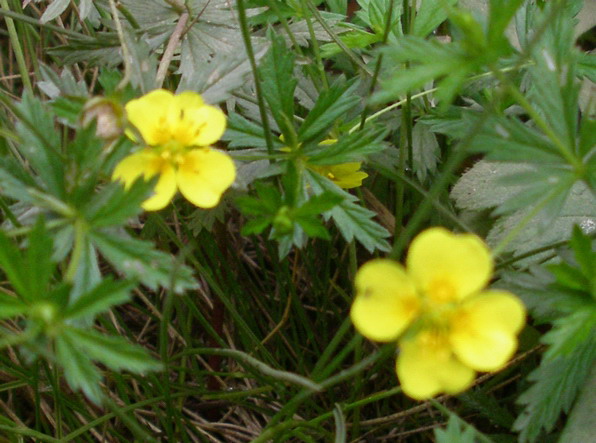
column 441, row 291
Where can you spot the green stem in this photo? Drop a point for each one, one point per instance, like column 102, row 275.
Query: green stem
column 33, row 21
column 80, row 229
column 123, row 45
column 255, row 73
column 315, row 45
column 458, row 154
column 377, row 71
column 18, row 50
column 263, row 368
column 337, row 40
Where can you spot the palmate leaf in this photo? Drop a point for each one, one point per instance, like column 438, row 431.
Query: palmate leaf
column 352, row 220
column 100, row 299
column 114, row 352
column 214, row 30
column 331, row 104
column 556, row 385
column 79, row 371
column 350, row 148
column 515, row 188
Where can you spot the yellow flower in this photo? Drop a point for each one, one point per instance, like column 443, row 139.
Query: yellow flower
column 448, row 326
column 178, row 131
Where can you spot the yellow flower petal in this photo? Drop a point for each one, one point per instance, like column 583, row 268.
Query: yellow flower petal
column 426, row 367
column 204, row 175
column 448, row 267
column 147, row 164
column 208, row 124
column 165, row 189
column 151, row 114
column 484, row 329
column 386, row 300
column 188, row 100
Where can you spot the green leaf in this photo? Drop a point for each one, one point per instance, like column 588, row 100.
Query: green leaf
column 114, row 352
column 256, row 225
column 114, row 204
column 425, row 151
column 41, row 144
column 350, row 148
column 317, row 204
column 55, row 8
column 313, row 227
column 244, row 133
column 79, row 371
column 13, row 265
column 277, row 73
column 430, row 14
column 11, row 306
column 430, row 60
column 584, row 252
column 581, row 427
column 100, row 299
column 556, row 385
column 352, row 220
column 37, row 262
column 331, row 104
column 457, row 431
column 570, row 331
column 138, row 260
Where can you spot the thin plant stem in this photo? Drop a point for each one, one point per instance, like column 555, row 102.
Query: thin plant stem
column 315, row 45
column 373, row 82
column 458, row 154
column 255, row 72
column 17, row 48
column 337, row 40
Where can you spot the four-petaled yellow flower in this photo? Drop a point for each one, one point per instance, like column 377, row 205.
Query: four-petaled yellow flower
column 178, row 131
column 447, row 324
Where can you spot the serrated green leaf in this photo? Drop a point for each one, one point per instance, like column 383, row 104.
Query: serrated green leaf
column 79, row 372
column 331, row 104
column 570, row 331
column 114, row 204
column 138, row 260
column 581, row 427
column 430, row 14
column 277, row 72
column 352, row 220
column 430, row 60
column 425, row 151
column 350, row 148
column 114, row 352
column 456, row 432
column 313, row 227
column 556, row 384
column 41, row 143
column 244, row 133
column 318, row 204
column 256, row 225
column 100, row 299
